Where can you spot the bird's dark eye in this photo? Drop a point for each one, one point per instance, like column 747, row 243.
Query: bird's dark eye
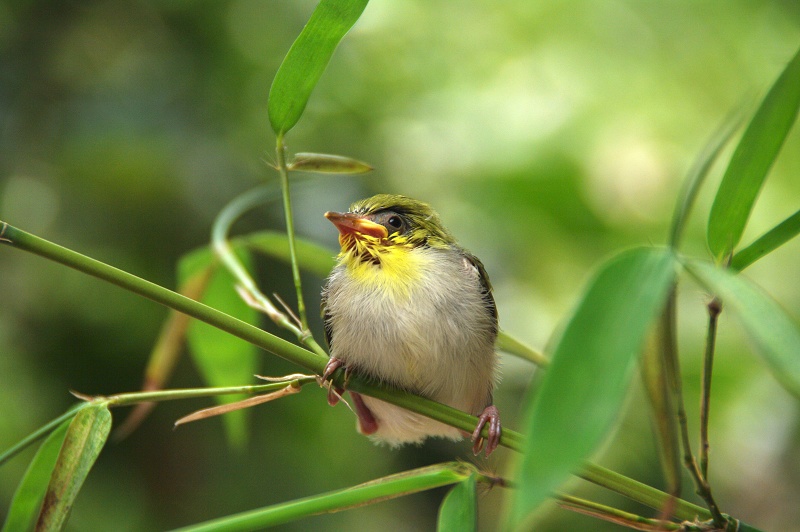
column 395, row 222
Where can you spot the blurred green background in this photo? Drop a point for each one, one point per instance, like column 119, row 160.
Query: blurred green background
column 547, row 134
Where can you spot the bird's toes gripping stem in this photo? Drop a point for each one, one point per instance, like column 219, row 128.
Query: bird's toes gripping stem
column 490, row 416
column 334, row 393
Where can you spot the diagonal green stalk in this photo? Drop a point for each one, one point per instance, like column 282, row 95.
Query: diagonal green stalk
column 130, row 398
column 223, row 249
column 280, row 149
column 614, row 515
column 315, row 363
column 390, row 487
column 641, row 492
column 509, row 344
column 40, row 433
column 767, row 243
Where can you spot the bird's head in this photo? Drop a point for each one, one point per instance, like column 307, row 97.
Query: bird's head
column 384, row 221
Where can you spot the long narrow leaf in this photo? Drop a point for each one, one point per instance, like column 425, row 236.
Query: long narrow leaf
column 698, row 173
column 307, row 59
column 584, row 387
column 311, row 256
column 28, row 498
column 85, row 437
column 378, row 490
column 768, row 242
column 752, row 159
column 775, row 334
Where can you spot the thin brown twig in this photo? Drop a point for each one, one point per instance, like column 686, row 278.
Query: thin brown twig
column 714, row 310
column 288, row 309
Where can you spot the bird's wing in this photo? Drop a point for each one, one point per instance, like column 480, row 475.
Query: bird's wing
column 486, row 286
column 326, row 318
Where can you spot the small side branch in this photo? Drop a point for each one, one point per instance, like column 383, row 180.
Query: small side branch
column 714, row 310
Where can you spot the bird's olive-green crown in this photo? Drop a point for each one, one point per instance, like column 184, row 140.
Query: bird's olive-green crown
column 413, row 221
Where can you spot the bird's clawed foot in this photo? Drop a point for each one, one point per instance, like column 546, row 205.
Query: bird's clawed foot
column 491, row 416
column 366, row 420
column 334, row 393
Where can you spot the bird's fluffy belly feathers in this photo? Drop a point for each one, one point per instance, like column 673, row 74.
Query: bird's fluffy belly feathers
column 427, row 333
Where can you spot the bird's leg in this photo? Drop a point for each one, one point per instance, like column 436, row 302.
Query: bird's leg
column 332, row 365
column 367, row 424
column 491, row 416
column 334, row 393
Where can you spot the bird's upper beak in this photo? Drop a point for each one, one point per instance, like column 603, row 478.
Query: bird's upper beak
column 350, row 223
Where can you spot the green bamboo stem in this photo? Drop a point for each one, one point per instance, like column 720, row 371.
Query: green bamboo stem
column 131, row 398
column 614, row 515
column 280, row 149
column 509, row 344
column 40, row 433
column 642, row 493
column 390, row 487
column 222, row 248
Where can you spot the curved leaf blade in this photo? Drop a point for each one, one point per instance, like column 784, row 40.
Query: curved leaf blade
column 311, row 257
column 768, row 242
column 775, row 334
column 323, row 163
column 223, row 360
column 307, row 58
column 459, row 510
column 28, row 498
column 86, row 435
column 587, row 380
column 752, row 159
column 379, row 490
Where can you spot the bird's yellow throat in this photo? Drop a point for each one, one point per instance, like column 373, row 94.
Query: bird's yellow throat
column 390, row 267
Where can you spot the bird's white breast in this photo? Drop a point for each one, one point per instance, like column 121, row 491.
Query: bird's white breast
column 427, row 330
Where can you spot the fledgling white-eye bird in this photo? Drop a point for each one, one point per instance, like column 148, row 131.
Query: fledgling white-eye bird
column 408, row 306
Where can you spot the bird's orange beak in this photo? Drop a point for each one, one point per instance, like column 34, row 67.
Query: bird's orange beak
column 349, row 223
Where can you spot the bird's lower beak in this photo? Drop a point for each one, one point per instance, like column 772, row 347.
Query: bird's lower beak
column 350, row 223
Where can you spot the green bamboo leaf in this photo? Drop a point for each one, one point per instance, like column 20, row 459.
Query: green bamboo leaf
column 774, row 333
column 28, row 498
column 698, row 173
column 459, row 510
column 584, row 387
column 658, row 386
column 768, row 242
column 752, row 159
column 222, row 359
column 322, row 163
column 166, row 352
column 379, row 490
column 312, row 257
column 85, row 437
column 307, row 59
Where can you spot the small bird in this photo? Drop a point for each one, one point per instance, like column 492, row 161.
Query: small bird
column 407, row 306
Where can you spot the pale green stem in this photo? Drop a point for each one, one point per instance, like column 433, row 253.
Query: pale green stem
column 642, row 493
column 509, row 344
column 222, row 248
column 613, row 515
column 125, row 399
column 40, row 433
column 280, row 149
